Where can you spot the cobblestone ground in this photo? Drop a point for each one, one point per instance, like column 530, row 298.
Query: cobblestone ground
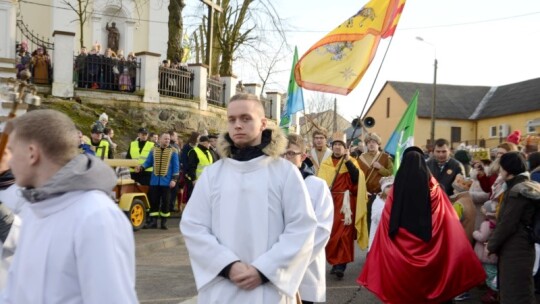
column 164, row 275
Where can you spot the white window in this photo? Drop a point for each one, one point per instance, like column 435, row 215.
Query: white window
column 504, row 130
column 530, row 127
column 493, row 131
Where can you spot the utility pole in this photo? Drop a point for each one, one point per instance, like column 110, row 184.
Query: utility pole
column 335, row 115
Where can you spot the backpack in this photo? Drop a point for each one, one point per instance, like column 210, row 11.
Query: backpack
column 531, row 190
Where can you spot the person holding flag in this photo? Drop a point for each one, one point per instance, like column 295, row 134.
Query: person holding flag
column 348, row 187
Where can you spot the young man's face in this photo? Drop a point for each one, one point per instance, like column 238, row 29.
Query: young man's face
column 143, row 136
column 21, row 161
column 245, row 122
column 319, row 142
column 338, row 149
column 213, row 142
column 174, row 137
column 442, row 153
column 205, row 144
column 372, row 146
column 294, row 155
column 96, row 137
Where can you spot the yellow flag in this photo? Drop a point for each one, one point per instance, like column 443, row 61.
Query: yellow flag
column 337, row 62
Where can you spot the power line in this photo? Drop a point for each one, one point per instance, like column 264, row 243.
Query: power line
column 301, row 30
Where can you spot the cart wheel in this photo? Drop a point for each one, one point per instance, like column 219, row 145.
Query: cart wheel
column 137, row 214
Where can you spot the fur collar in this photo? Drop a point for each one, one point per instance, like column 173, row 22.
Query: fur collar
column 275, row 148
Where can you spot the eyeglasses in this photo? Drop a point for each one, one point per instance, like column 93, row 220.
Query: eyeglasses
column 291, row 154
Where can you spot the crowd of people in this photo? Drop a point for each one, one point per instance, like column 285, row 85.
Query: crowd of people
column 264, row 214
column 37, row 64
column 106, row 71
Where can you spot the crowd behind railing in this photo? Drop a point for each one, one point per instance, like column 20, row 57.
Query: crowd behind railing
column 112, row 71
column 175, row 80
column 109, row 71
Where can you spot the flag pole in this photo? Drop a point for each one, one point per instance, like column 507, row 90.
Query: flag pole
column 376, row 76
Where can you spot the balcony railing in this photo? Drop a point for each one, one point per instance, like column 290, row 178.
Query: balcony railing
column 106, row 73
column 215, row 92
column 176, row 82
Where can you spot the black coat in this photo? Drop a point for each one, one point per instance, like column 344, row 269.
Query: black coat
column 447, row 174
column 512, row 243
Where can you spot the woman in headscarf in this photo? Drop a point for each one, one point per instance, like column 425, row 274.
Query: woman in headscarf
column 420, row 253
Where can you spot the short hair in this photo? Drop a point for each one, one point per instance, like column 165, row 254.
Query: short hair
column 193, row 138
column 171, row 132
column 212, row 136
column 295, row 139
column 53, row 131
column 321, row 131
column 441, row 142
column 508, row 146
column 107, row 130
column 249, row 97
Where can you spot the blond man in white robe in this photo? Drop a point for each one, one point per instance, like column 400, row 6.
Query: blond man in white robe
column 249, row 225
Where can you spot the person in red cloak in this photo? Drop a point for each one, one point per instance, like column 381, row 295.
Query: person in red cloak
column 420, row 253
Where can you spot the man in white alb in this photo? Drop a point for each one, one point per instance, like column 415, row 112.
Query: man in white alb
column 249, row 224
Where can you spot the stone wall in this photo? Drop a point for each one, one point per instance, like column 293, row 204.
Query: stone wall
column 126, row 116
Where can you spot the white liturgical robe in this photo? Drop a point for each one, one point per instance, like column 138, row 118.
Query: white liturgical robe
column 313, row 286
column 74, row 248
column 257, row 212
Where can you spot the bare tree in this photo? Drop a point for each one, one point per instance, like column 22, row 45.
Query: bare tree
column 81, row 10
column 266, row 65
column 243, row 25
column 319, row 114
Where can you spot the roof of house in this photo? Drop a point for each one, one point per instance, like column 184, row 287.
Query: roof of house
column 472, row 102
column 452, row 101
column 513, row 98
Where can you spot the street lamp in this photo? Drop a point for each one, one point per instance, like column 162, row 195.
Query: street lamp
column 434, row 100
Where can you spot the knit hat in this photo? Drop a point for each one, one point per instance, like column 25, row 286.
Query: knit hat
column 461, row 184
column 462, row 156
column 514, row 137
column 104, row 117
column 513, row 162
column 372, row 136
column 386, row 181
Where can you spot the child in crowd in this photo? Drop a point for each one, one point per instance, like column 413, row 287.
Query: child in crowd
column 489, row 262
column 378, row 206
column 125, row 81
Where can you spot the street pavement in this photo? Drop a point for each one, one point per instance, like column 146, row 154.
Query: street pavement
column 164, row 275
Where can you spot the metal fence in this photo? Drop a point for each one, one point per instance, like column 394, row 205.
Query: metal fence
column 106, row 73
column 215, row 92
column 176, row 82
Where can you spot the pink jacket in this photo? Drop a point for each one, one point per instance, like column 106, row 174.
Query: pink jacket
column 481, row 236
